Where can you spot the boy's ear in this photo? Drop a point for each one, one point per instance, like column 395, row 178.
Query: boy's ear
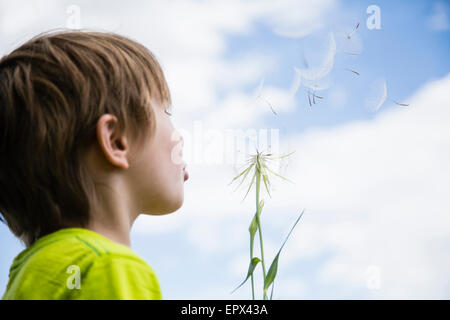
column 112, row 142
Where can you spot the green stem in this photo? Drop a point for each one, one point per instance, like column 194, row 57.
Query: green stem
column 258, row 183
column 253, row 284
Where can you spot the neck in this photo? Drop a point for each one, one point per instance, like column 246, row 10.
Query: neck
column 113, row 218
column 113, row 208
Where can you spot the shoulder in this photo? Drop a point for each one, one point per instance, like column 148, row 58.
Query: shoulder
column 82, row 265
column 119, row 276
column 109, row 270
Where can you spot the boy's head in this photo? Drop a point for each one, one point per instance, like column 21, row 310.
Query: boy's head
column 83, row 117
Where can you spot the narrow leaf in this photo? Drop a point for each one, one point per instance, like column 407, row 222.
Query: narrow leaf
column 271, row 294
column 272, row 273
column 251, row 268
column 254, row 224
column 270, row 277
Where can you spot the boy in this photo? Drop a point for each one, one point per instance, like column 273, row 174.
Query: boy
column 86, row 145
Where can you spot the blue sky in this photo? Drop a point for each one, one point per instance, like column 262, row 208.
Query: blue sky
column 404, row 51
column 374, row 184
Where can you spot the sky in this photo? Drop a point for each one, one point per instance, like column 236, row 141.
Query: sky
column 371, row 156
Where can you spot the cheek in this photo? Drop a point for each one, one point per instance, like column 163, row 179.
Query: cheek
column 159, row 176
column 167, row 163
column 165, row 187
column 176, row 153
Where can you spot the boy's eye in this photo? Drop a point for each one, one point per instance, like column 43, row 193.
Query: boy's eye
column 167, row 112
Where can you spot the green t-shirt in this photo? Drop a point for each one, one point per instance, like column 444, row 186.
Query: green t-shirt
column 77, row 263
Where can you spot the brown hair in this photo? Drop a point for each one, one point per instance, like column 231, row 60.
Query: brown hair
column 53, row 90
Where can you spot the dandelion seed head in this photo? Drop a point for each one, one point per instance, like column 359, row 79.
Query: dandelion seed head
column 264, row 164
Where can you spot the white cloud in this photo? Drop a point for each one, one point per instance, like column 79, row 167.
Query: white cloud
column 376, row 198
column 188, row 37
column 376, row 193
column 244, row 111
column 289, row 288
column 298, row 22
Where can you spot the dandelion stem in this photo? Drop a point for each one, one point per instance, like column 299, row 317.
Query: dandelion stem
column 251, row 258
column 258, row 184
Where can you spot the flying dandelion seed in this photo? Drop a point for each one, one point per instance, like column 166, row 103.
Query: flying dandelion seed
column 315, row 78
column 316, row 73
column 259, row 95
column 398, row 103
column 295, row 84
column 378, row 96
column 348, row 41
column 351, row 70
column 260, row 86
column 312, row 88
column 314, row 96
column 354, row 30
column 318, row 85
column 271, row 107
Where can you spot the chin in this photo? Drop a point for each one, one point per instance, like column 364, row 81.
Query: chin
column 166, row 208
